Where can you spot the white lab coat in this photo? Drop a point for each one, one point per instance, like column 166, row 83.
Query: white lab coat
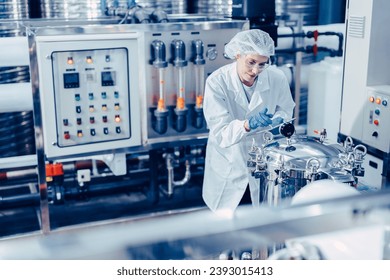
column 226, row 108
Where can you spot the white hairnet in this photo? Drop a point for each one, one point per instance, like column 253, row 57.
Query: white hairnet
column 250, row 41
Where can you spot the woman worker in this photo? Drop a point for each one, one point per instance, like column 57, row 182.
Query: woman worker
column 241, row 97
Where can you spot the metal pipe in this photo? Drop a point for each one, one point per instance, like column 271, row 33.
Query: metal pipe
column 19, row 201
column 15, row 97
column 171, row 182
column 14, row 51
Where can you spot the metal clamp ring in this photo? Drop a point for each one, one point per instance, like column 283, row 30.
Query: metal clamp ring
column 313, row 163
column 363, row 149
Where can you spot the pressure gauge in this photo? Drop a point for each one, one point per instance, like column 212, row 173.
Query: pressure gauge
column 212, row 53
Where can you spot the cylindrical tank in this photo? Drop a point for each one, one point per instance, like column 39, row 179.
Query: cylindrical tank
column 286, row 164
column 308, row 9
column 214, row 7
column 68, row 9
column 16, row 128
column 324, row 97
column 12, row 10
column 169, row 6
column 331, row 11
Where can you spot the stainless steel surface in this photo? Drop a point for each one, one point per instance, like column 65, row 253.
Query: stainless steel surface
column 214, row 7
column 169, row 6
column 62, row 27
column 16, row 134
column 187, row 32
column 40, row 153
column 308, row 9
column 16, row 128
column 199, row 233
column 14, row 9
column 306, row 148
column 285, row 165
column 72, row 8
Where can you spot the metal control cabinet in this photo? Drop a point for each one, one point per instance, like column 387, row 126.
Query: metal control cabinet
column 376, row 118
column 89, row 93
column 365, row 65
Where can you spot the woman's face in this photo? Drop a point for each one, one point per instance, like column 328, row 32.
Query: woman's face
column 249, row 66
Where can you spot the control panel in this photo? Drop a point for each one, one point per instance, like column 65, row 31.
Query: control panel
column 89, row 95
column 376, row 127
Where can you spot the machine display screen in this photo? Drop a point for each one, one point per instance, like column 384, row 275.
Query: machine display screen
column 108, row 78
column 71, row 80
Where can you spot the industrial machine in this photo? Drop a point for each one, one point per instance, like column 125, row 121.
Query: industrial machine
column 290, row 162
column 118, row 110
column 119, row 132
column 365, row 109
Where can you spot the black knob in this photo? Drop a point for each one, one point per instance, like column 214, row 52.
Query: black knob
column 375, row 134
column 287, row 129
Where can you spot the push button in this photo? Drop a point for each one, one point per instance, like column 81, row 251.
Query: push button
column 66, row 135
column 89, row 60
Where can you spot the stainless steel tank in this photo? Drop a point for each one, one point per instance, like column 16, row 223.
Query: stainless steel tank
column 287, row 163
column 214, row 7
column 72, row 9
column 16, row 128
column 308, row 9
column 169, row 6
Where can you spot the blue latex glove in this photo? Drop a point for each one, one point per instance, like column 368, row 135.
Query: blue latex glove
column 261, row 119
column 276, row 121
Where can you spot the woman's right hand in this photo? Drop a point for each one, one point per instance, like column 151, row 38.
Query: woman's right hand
column 262, row 119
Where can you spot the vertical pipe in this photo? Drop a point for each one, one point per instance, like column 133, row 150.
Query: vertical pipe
column 181, row 82
column 298, row 66
column 153, row 194
column 161, row 101
column 199, row 81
